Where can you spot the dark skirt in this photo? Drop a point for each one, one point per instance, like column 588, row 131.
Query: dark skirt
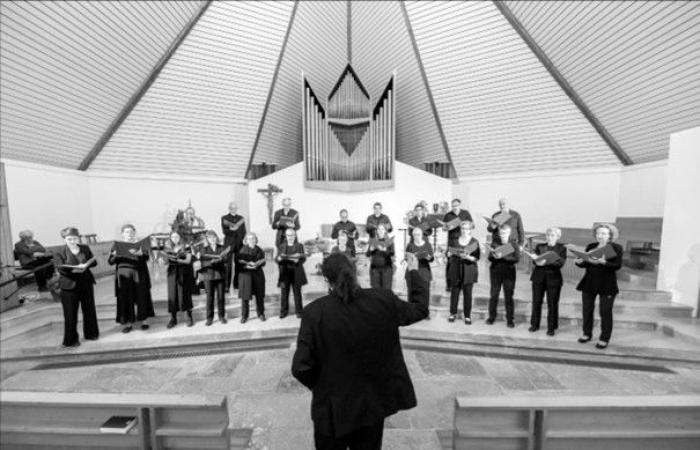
column 251, row 282
column 133, row 291
column 180, row 284
column 460, row 272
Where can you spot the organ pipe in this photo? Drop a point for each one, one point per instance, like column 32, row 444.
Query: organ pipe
column 350, row 139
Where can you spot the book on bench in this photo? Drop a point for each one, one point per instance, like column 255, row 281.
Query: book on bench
column 118, row 425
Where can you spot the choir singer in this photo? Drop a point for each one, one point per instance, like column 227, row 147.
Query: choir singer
column 600, row 280
column 546, row 279
column 76, row 283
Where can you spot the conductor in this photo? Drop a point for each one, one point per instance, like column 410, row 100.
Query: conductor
column 349, row 355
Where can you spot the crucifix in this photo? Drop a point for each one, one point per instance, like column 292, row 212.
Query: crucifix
column 270, row 193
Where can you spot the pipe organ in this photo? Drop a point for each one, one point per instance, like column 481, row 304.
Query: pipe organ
column 349, row 139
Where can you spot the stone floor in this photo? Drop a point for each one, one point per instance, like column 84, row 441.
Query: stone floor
column 264, row 397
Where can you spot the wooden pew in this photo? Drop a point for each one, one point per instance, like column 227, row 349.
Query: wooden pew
column 577, row 422
column 50, row 420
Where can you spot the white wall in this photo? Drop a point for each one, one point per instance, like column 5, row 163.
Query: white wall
column 45, row 199
column 679, row 265
column 643, row 190
column 150, row 203
column 574, row 198
column 317, row 207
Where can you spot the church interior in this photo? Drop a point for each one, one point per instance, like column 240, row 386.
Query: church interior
column 164, row 115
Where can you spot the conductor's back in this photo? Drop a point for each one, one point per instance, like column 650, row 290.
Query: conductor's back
column 349, row 355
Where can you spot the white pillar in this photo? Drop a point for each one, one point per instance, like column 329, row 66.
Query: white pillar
column 679, row 265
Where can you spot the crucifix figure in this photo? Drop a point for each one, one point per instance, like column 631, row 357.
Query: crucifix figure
column 270, row 193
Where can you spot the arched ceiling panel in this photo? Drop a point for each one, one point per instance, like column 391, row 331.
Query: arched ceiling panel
column 317, row 46
column 500, row 109
column 68, row 68
column 380, row 45
column 635, row 64
column 201, row 115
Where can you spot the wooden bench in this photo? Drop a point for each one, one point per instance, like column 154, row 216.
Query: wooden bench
column 577, row 422
column 50, row 419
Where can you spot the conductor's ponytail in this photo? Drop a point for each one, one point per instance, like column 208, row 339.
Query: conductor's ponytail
column 340, row 273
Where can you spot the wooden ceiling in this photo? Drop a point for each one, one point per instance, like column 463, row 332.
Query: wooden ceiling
column 83, row 78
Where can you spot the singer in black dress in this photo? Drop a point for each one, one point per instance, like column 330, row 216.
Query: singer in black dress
column 251, row 280
column 132, row 283
column 77, row 288
column 423, row 252
column 463, row 270
column 180, row 278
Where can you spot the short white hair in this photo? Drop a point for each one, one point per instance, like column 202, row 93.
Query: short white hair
column 26, row 234
column 555, row 230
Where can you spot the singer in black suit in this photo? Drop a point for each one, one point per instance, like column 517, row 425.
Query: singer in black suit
column 376, row 219
column 77, row 288
column 233, row 238
column 349, row 355
column 600, row 280
column 546, row 278
column 502, row 273
column 285, row 218
column 213, row 275
column 419, row 220
column 514, row 221
column 345, row 226
column 290, row 258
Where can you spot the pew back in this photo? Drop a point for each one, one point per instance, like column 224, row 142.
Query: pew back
column 572, row 423
column 50, row 420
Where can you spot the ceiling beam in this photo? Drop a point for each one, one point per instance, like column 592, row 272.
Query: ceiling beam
column 424, row 76
column 273, row 83
column 565, row 86
column 141, row 91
